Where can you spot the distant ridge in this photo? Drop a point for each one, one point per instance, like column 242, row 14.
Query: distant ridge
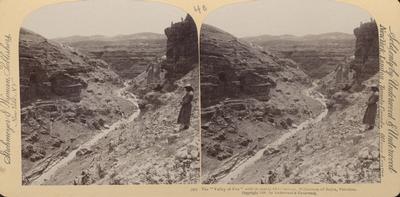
column 324, row 36
column 136, row 36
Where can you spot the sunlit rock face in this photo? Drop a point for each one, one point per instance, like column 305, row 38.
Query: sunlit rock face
column 231, row 68
column 47, row 70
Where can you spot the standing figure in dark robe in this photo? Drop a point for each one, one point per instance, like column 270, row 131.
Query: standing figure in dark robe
column 370, row 113
column 186, row 108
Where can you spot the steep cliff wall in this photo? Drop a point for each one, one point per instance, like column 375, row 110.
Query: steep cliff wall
column 231, row 68
column 48, row 70
column 182, row 48
column 366, row 61
column 180, row 58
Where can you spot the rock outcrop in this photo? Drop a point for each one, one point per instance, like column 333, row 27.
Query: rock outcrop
column 231, row 68
column 182, row 49
column 46, row 71
column 366, row 61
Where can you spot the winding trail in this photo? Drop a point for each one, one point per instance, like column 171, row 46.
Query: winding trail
column 50, row 171
column 310, row 92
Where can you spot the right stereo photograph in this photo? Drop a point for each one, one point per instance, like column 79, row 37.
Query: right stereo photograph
column 289, row 94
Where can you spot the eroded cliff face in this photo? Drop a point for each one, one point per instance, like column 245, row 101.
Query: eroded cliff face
column 182, row 49
column 46, row 74
column 230, row 68
column 180, row 58
column 366, row 61
column 66, row 98
column 127, row 55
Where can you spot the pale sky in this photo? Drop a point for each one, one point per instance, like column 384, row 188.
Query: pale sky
column 102, row 17
column 296, row 17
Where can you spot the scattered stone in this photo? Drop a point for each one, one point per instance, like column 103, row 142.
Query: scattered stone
column 283, row 124
column 220, row 136
column 182, row 153
column 231, row 130
column 224, row 155
column 28, row 151
column 289, row 121
column 36, row 156
column 172, row 138
column 214, row 150
column 270, row 151
column 205, row 125
column 83, row 151
column 244, row 142
column 57, row 143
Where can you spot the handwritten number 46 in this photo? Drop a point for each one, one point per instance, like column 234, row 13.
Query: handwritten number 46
column 199, row 9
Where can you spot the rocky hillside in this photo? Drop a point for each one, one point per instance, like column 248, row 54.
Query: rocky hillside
column 317, row 55
column 66, row 98
column 150, row 149
column 127, row 55
column 333, row 148
column 249, row 98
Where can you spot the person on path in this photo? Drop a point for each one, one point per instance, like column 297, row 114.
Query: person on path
column 186, row 108
column 372, row 107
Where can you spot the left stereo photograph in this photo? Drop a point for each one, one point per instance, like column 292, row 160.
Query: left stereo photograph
column 109, row 94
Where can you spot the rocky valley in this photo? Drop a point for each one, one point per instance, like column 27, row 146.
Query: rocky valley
column 265, row 121
column 250, row 98
column 66, row 98
column 84, row 123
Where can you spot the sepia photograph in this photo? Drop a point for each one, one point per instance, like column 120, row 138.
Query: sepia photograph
column 109, row 94
column 289, row 94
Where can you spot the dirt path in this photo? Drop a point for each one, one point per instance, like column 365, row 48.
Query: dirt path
column 64, row 161
column 311, row 92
